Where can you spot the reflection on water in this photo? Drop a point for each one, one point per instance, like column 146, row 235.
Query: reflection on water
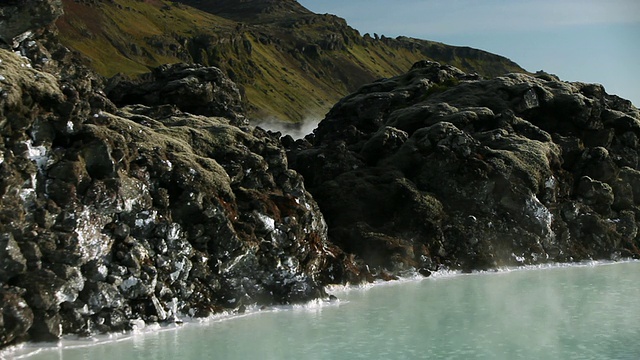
column 578, row 312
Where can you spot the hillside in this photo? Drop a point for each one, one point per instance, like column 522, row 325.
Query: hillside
column 289, row 62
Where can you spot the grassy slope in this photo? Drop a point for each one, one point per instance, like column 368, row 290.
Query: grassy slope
column 105, row 33
column 269, row 59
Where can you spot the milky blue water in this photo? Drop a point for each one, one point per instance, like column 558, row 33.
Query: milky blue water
column 578, row 312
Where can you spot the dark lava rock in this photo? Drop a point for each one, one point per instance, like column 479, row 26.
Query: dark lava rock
column 192, row 88
column 16, row 318
column 440, row 168
column 20, row 18
column 111, row 218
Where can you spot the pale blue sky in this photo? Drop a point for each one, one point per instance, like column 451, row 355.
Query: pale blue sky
column 579, row 40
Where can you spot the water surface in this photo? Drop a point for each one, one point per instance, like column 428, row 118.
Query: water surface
column 562, row 312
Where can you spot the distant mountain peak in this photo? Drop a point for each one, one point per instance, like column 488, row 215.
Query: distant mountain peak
column 243, row 10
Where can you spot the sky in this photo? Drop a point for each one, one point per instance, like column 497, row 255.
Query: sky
column 594, row 41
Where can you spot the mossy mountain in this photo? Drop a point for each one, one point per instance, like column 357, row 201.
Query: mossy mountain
column 290, row 62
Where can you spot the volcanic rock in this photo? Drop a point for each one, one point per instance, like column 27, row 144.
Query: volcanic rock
column 192, row 88
column 438, row 168
column 118, row 216
column 20, row 19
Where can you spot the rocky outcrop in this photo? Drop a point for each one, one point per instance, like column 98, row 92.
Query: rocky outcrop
column 114, row 217
column 192, row 88
column 161, row 205
column 440, row 168
column 20, row 19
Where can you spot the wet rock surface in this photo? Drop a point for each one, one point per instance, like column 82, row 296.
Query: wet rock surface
column 113, row 217
column 441, row 168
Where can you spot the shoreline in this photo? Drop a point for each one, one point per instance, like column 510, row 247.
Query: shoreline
column 28, row 350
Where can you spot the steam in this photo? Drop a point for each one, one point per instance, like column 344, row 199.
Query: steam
column 295, row 130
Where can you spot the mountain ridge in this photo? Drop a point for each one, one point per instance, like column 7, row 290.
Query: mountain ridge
column 251, row 11
column 289, row 62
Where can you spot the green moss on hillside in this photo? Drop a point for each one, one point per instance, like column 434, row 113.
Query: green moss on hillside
column 291, row 65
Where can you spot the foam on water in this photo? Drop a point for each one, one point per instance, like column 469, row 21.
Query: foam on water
column 25, row 351
column 29, row 350
column 68, row 342
column 443, row 274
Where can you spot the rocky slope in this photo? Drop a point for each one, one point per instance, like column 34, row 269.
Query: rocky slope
column 289, row 63
column 437, row 167
column 112, row 217
column 114, row 214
